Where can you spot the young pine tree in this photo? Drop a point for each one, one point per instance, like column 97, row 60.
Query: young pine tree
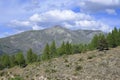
column 20, row 59
column 5, row 60
column 53, row 50
column 94, row 43
column 29, row 56
column 102, row 43
column 46, row 53
column 68, row 48
column 61, row 49
column 113, row 38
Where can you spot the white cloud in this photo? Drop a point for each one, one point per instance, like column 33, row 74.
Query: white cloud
column 66, row 18
column 106, row 2
column 59, row 15
column 35, row 18
column 111, row 11
column 99, row 5
column 20, row 23
column 36, row 27
column 93, row 25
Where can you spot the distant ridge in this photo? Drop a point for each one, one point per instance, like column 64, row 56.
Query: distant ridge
column 36, row 39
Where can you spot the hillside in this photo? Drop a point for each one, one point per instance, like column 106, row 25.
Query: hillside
column 38, row 38
column 91, row 65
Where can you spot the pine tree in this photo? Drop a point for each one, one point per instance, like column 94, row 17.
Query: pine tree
column 119, row 37
column 94, row 43
column 61, row 49
column 46, row 53
column 113, row 38
column 76, row 48
column 20, row 59
column 102, row 43
column 68, row 48
column 83, row 47
column 13, row 61
column 5, row 60
column 53, row 50
column 34, row 57
column 110, row 40
column 29, row 56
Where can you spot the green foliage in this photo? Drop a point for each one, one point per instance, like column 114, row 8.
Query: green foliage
column 13, row 61
column 94, row 43
column 102, row 43
column 46, row 53
column 20, row 59
column 78, row 68
column 68, row 48
column 113, row 38
column 16, row 78
column 31, row 57
column 61, row 49
column 83, row 47
column 53, row 50
column 5, row 60
column 76, row 48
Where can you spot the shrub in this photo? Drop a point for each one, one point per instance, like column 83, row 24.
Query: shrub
column 17, row 78
column 78, row 68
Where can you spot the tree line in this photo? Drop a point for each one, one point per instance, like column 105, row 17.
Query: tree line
column 100, row 42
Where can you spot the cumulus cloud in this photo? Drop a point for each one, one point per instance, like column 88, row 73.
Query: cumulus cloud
column 99, row 5
column 93, row 25
column 20, row 25
column 59, row 15
column 35, row 18
column 66, row 18
column 111, row 11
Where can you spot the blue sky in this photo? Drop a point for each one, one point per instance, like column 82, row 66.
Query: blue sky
column 22, row 15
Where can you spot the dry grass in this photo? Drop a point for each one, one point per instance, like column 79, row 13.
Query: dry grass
column 92, row 65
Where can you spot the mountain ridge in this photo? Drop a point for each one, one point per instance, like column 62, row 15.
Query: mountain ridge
column 36, row 39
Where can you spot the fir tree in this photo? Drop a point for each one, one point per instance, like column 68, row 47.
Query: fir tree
column 102, row 43
column 20, row 59
column 68, row 48
column 5, row 60
column 61, row 49
column 46, row 53
column 94, row 42
column 53, row 50
column 29, row 55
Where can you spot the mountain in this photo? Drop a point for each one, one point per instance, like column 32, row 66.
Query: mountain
column 36, row 39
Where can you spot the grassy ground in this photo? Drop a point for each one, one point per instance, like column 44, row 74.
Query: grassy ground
column 92, row 65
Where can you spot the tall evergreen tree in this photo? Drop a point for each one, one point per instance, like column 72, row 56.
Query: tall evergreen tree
column 46, row 53
column 113, row 38
column 20, row 59
column 13, row 61
column 61, row 49
column 53, row 50
column 119, row 37
column 29, row 55
column 110, row 40
column 68, row 48
column 94, row 42
column 34, row 57
column 5, row 60
column 102, row 43
column 76, row 48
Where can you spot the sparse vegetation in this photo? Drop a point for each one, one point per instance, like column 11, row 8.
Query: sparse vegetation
column 16, row 78
column 78, row 68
